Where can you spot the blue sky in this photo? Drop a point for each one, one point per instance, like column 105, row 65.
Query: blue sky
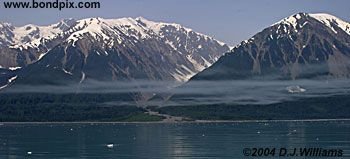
column 230, row 21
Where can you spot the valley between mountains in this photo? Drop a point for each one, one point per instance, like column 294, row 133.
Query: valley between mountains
column 134, row 69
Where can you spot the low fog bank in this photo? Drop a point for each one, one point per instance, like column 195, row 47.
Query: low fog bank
column 253, row 92
column 204, row 92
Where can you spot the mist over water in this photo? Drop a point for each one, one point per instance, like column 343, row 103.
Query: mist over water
column 263, row 92
column 205, row 92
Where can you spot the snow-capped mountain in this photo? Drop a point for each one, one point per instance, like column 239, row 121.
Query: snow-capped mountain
column 197, row 50
column 31, row 36
column 24, row 45
column 106, row 49
column 300, row 46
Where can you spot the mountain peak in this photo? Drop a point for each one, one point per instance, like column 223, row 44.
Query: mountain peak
column 325, row 18
column 140, row 18
column 292, row 20
column 107, row 29
column 65, row 24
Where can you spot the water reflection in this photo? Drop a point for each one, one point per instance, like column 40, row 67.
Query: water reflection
column 173, row 140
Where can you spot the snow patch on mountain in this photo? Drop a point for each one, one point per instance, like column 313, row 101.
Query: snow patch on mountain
column 331, row 20
column 14, row 68
column 2, row 87
column 9, row 81
column 12, row 79
column 83, row 76
column 67, row 72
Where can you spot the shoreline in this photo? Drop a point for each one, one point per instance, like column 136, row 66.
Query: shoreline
column 178, row 122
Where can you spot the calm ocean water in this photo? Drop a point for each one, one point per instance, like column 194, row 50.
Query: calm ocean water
column 167, row 140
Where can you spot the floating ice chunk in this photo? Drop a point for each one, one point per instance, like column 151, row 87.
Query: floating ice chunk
column 295, row 89
column 110, row 146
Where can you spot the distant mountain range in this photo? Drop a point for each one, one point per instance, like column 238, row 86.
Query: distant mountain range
column 81, row 52
column 105, row 50
column 302, row 46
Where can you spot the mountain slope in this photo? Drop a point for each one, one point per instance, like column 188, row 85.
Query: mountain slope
column 300, row 46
